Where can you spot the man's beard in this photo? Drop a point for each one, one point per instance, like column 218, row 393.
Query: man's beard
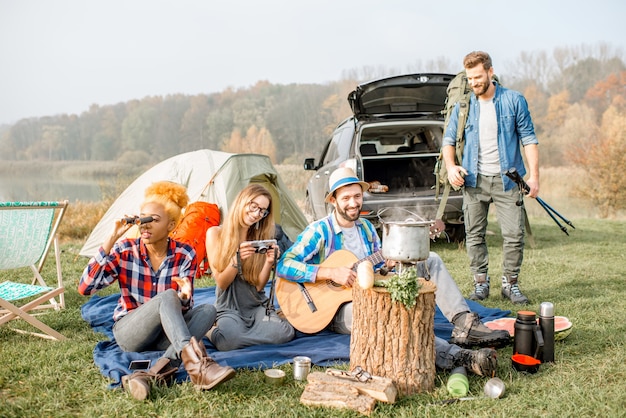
column 481, row 89
column 343, row 213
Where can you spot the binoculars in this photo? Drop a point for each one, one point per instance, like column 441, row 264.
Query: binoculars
column 136, row 220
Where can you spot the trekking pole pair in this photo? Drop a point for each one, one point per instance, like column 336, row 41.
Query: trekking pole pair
column 525, row 189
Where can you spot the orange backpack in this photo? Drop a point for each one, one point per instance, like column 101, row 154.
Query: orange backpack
column 198, row 218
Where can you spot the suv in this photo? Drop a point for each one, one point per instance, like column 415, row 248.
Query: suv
column 392, row 142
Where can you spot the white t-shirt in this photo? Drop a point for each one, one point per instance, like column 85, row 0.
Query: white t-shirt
column 488, row 156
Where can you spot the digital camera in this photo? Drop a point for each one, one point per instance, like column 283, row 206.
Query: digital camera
column 262, row 246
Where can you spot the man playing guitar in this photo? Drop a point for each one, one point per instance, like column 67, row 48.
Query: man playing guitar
column 343, row 229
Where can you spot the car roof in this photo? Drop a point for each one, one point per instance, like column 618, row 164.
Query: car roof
column 405, row 95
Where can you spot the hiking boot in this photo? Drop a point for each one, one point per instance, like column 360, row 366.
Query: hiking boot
column 510, row 290
column 469, row 332
column 203, row 371
column 139, row 382
column 481, row 287
column 483, row 362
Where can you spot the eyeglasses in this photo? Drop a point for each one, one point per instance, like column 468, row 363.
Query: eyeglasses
column 255, row 208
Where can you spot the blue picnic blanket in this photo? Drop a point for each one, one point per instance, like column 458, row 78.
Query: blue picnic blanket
column 324, row 348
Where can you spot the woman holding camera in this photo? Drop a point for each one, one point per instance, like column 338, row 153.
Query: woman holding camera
column 241, row 270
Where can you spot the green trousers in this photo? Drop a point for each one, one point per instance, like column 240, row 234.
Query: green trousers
column 476, row 202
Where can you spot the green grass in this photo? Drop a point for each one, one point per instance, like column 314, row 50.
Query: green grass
column 583, row 275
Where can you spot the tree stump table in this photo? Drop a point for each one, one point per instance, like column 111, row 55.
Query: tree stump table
column 389, row 340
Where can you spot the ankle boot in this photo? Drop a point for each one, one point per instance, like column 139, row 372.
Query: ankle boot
column 482, row 362
column 511, row 290
column 203, row 371
column 481, row 287
column 138, row 383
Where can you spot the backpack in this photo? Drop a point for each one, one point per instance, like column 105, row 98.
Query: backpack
column 192, row 228
column 458, row 91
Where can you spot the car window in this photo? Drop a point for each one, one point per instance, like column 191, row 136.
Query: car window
column 339, row 147
column 398, row 139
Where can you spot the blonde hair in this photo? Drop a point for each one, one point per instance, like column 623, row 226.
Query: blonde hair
column 172, row 196
column 229, row 234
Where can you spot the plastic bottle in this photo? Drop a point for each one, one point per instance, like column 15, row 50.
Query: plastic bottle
column 458, row 385
column 546, row 323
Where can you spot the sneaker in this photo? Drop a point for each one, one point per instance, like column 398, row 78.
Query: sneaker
column 481, row 287
column 510, row 290
column 470, row 332
column 482, row 362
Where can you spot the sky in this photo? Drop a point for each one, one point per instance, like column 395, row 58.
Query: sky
column 62, row 56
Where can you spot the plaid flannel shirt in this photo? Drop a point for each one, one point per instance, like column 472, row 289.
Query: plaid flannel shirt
column 128, row 263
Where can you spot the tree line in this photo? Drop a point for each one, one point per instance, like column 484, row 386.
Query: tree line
column 577, row 97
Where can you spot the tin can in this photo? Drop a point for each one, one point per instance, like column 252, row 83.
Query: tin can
column 301, row 367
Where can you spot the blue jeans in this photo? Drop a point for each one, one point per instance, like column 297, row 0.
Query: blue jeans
column 476, row 201
column 160, row 324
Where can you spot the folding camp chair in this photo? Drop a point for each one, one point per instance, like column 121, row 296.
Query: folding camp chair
column 27, row 231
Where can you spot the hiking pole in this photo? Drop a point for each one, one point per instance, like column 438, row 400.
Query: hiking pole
column 525, row 188
column 548, row 207
column 541, row 202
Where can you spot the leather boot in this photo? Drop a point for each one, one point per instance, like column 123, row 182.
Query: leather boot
column 203, row 371
column 138, row 383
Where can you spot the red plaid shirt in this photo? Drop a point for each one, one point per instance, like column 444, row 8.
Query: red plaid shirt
column 128, row 263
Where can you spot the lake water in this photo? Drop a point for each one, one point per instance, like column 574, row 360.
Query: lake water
column 29, row 188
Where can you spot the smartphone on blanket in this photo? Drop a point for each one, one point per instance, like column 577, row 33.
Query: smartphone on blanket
column 139, row 365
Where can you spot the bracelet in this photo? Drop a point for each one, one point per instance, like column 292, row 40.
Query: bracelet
column 235, row 266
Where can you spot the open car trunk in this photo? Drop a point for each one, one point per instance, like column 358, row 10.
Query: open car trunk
column 402, row 174
column 400, row 156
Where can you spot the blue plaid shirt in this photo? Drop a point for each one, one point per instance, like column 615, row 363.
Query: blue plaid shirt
column 128, row 263
column 318, row 240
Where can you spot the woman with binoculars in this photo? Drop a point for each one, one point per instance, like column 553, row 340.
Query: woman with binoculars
column 156, row 308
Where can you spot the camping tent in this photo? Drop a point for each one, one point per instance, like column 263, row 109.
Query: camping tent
column 210, row 176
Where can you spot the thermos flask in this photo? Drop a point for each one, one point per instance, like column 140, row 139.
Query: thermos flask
column 546, row 323
column 527, row 337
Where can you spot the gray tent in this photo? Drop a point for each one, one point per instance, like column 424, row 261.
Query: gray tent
column 210, row 176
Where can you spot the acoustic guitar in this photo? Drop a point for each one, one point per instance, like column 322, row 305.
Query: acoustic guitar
column 310, row 307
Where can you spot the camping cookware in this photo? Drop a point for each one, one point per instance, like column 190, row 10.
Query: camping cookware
column 405, row 240
column 494, row 388
column 301, row 367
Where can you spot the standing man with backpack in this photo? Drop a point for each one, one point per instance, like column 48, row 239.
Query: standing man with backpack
column 498, row 126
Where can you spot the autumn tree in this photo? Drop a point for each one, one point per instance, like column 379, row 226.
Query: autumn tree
column 603, row 161
column 256, row 141
column 601, row 95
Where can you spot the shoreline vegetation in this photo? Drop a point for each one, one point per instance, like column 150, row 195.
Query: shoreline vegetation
column 114, row 177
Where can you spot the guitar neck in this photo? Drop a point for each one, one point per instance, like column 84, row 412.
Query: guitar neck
column 375, row 258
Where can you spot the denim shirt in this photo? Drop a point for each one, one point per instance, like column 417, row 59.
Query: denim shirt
column 515, row 126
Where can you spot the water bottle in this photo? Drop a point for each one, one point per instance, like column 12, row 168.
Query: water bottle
column 527, row 337
column 458, row 385
column 546, row 323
